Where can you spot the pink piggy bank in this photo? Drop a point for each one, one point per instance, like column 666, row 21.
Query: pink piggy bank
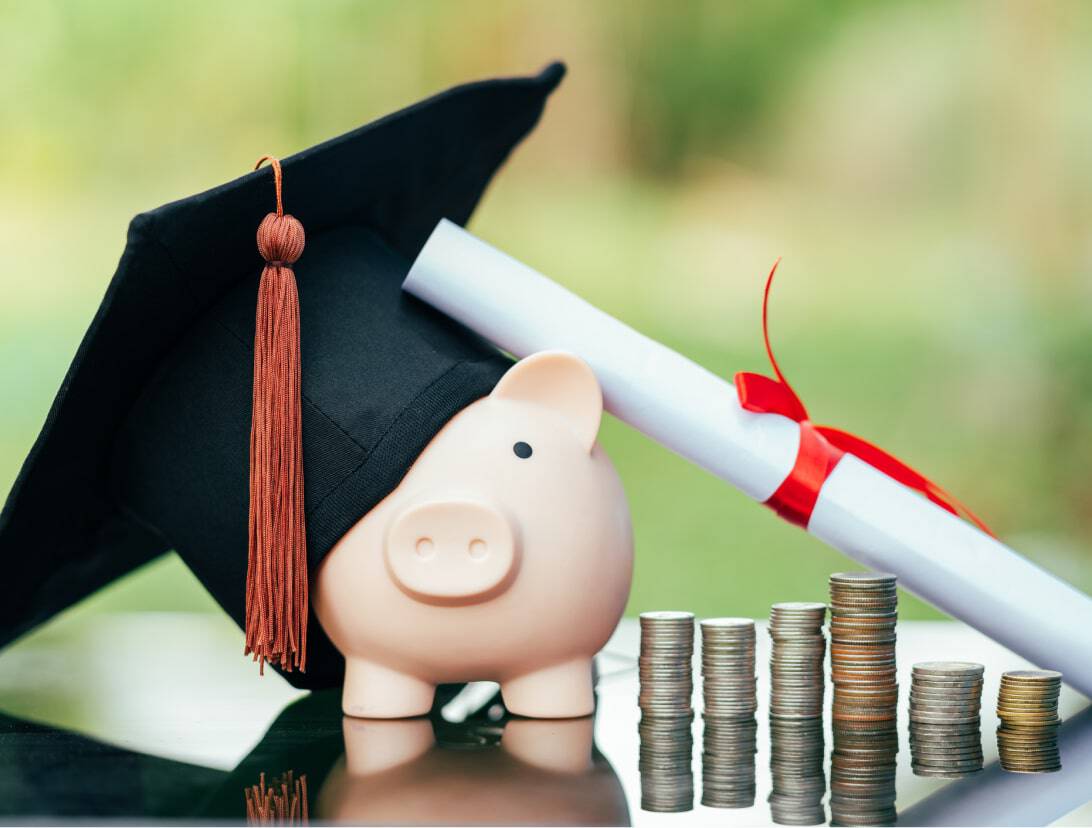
column 505, row 554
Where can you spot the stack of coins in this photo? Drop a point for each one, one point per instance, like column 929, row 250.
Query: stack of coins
column 728, row 668
column 797, row 689
column 729, row 692
column 945, row 728
column 863, row 609
column 796, row 770
column 1027, row 705
column 799, row 648
column 666, row 665
column 666, row 673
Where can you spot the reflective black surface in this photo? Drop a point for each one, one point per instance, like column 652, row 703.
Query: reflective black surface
column 316, row 765
column 49, row 773
column 156, row 749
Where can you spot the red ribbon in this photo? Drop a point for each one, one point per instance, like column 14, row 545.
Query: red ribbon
column 821, row 447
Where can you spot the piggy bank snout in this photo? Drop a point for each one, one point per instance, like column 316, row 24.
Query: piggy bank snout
column 451, row 550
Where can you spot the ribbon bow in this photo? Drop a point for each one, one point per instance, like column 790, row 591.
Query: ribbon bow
column 822, row 447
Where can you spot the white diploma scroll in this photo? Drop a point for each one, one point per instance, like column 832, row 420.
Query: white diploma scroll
column 860, row 511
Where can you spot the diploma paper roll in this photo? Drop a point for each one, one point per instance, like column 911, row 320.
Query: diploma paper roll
column 860, row 511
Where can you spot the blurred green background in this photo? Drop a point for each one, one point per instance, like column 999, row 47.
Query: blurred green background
column 923, row 167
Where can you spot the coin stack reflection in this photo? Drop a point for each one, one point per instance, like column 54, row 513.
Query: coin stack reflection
column 797, row 684
column 666, row 673
column 796, row 770
column 729, row 693
column 1027, row 705
column 945, row 728
column 863, row 609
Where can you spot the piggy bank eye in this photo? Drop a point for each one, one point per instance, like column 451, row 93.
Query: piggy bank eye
column 522, row 450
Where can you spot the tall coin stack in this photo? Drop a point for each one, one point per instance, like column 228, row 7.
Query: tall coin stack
column 1027, row 705
column 666, row 673
column 863, row 609
column 797, row 689
column 945, row 728
column 729, row 693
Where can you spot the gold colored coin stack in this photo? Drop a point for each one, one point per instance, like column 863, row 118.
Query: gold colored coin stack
column 729, row 693
column 864, row 610
column 797, row 690
column 666, row 672
column 945, row 728
column 1027, row 705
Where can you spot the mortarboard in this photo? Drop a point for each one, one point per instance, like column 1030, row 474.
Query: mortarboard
column 148, row 443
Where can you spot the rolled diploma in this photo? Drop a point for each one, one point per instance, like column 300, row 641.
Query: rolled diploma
column 861, row 511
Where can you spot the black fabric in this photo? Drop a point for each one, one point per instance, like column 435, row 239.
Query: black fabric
column 146, row 445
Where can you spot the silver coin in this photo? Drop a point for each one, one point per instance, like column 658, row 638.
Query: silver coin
column 727, row 623
column 945, row 706
column 666, row 616
column 933, row 718
column 948, row 668
column 948, row 739
column 862, row 578
column 946, row 733
column 933, row 757
column 793, row 607
column 933, row 695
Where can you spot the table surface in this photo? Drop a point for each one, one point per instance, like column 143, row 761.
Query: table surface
column 155, row 717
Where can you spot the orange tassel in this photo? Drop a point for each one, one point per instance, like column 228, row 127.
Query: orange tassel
column 276, row 578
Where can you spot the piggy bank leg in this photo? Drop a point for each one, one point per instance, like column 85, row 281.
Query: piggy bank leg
column 373, row 691
column 562, row 691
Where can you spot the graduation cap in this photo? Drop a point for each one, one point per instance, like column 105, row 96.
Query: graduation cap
column 251, row 439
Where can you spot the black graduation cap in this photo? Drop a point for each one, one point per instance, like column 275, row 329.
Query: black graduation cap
column 148, row 443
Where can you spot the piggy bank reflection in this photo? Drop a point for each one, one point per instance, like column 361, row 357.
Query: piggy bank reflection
column 542, row 772
column 505, row 554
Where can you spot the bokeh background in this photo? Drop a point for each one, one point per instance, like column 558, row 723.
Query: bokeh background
column 922, row 167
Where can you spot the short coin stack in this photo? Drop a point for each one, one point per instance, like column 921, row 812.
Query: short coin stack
column 863, row 608
column 945, row 728
column 666, row 673
column 797, row 689
column 1027, row 705
column 729, row 692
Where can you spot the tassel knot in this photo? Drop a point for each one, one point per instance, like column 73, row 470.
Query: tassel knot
column 280, row 239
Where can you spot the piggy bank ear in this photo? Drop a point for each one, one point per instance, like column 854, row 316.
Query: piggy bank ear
column 561, row 382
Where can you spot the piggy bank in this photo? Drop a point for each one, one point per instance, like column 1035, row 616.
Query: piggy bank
column 505, row 554
column 547, row 772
